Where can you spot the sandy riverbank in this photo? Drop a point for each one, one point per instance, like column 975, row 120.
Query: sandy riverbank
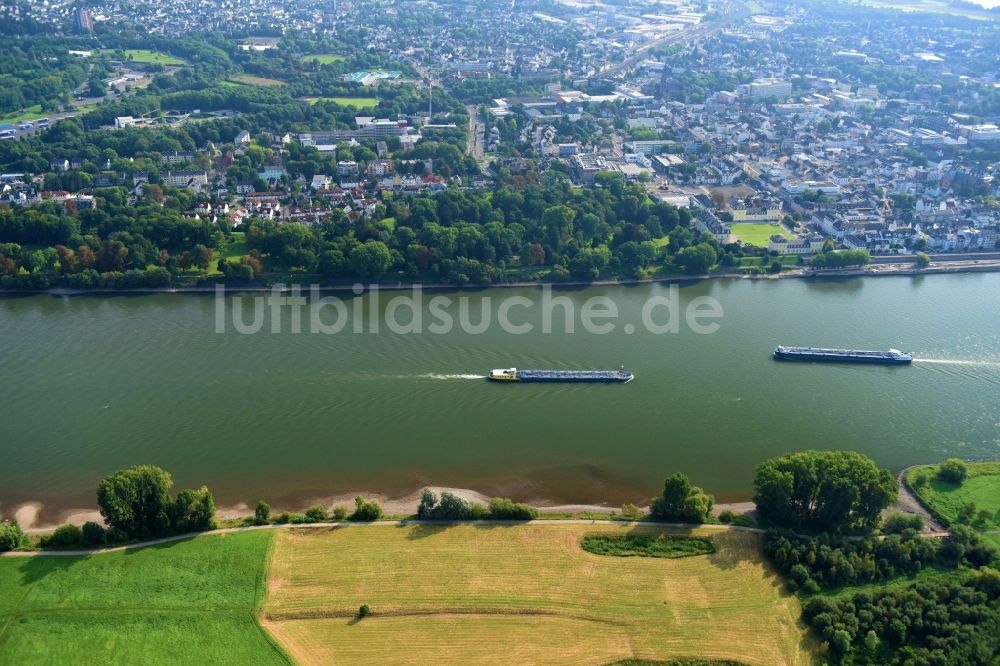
column 27, row 514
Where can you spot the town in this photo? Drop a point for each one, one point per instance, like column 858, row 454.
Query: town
column 774, row 132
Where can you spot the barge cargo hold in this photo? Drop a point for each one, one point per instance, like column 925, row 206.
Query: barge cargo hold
column 890, row 357
column 596, row 376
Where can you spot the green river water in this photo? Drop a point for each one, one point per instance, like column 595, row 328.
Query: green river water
column 94, row 383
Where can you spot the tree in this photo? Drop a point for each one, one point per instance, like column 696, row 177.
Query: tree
column 696, row 259
column 922, row 260
column 137, row 501
column 371, row 259
column 952, row 470
column 262, row 514
column 193, row 511
column 11, row 536
column 365, row 511
column 680, row 501
column 427, row 501
column 823, row 490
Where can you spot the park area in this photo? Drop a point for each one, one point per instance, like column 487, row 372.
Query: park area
column 196, row 597
column 758, row 234
column 492, row 594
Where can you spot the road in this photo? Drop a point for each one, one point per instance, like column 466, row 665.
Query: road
column 53, row 117
column 475, row 144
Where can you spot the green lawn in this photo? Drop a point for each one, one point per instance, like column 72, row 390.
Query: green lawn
column 324, row 58
column 758, row 234
column 786, row 260
column 981, row 487
column 234, row 249
column 153, row 57
column 197, row 598
column 360, row 102
column 30, row 113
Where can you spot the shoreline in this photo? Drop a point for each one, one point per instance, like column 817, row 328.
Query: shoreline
column 988, row 265
column 27, row 513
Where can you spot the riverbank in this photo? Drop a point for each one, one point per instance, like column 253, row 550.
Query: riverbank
column 872, row 270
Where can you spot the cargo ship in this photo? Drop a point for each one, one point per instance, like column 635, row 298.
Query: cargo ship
column 622, row 376
column 890, row 357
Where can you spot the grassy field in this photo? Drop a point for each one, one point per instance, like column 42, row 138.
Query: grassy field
column 758, row 234
column 786, row 260
column 196, row 598
column 522, row 594
column 360, row 102
column 234, row 249
column 981, row 487
column 249, row 80
column 323, row 58
column 153, row 57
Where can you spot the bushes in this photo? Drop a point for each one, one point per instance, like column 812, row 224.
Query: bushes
column 452, row 507
column 11, row 536
column 952, row 470
column 937, row 622
column 502, row 508
column 316, row 514
column 365, row 511
column 64, row 536
column 93, row 535
column 812, row 563
column 898, row 523
column 646, row 545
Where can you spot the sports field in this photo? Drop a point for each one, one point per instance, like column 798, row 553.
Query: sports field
column 196, row 598
column 490, row 594
column 758, row 234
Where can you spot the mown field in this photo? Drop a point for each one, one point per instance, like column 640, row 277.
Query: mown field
column 522, row 594
column 982, row 487
column 153, row 57
column 192, row 601
column 758, row 234
column 323, row 58
column 360, row 102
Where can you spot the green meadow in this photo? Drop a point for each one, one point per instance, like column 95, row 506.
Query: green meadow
column 197, row 597
column 981, row 487
column 360, row 102
column 758, row 234
column 324, row 58
column 153, row 57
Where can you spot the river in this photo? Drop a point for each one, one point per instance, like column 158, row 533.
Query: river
column 92, row 384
